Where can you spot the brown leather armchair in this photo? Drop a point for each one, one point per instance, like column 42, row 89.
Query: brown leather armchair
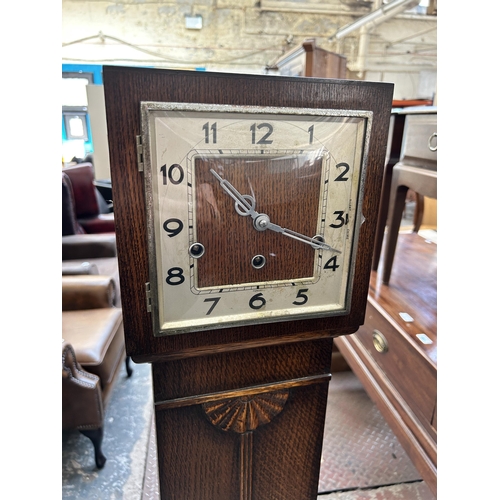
column 92, row 352
column 84, row 254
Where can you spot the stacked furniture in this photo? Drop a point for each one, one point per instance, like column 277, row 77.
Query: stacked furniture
column 93, row 343
column 394, row 354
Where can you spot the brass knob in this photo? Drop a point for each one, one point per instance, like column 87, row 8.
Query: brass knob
column 379, row 342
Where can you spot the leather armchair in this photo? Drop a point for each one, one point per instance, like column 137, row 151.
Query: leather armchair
column 84, row 254
column 92, row 352
column 84, row 208
column 70, row 224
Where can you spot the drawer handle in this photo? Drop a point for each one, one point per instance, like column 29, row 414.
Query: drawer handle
column 433, row 136
column 380, row 342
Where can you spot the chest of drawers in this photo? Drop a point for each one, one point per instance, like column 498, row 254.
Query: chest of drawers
column 394, row 354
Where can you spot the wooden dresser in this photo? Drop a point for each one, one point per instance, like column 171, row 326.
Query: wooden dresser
column 394, row 354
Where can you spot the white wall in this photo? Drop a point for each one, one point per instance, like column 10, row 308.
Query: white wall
column 97, row 114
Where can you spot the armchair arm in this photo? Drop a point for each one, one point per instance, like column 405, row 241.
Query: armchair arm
column 87, row 292
column 101, row 223
column 82, row 406
column 88, row 246
column 78, row 269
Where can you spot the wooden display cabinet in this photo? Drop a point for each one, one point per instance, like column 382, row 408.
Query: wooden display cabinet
column 309, row 60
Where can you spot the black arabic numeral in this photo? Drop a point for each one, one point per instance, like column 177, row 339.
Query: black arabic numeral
column 257, row 301
column 311, row 133
column 170, row 174
column 302, row 295
column 332, row 264
column 173, row 231
column 342, row 218
column 264, row 139
column 163, row 170
column 175, row 276
column 342, row 175
column 215, row 301
column 207, row 129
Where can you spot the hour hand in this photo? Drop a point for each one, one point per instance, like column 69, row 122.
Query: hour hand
column 244, row 204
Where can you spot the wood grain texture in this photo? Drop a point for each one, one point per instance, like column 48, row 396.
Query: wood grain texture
column 231, row 241
column 245, row 413
column 413, row 375
column 206, row 463
column 124, row 89
column 246, row 466
column 197, row 460
column 413, row 290
column 236, row 392
column 244, row 368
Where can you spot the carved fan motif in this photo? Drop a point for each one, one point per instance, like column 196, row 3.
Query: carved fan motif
column 245, row 413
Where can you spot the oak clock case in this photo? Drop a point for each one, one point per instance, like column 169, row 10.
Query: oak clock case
column 253, row 212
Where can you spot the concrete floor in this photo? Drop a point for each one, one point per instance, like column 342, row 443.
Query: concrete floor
column 362, row 459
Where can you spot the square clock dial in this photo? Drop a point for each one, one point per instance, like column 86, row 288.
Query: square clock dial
column 253, row 212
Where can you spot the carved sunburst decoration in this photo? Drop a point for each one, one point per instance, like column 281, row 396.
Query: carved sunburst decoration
column 245, row 413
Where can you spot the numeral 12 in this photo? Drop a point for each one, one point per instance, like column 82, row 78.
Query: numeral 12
column 265, row 138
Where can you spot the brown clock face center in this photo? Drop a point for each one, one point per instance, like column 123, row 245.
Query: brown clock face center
column 286, row 189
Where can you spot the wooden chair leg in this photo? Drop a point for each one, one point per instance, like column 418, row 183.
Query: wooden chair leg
column 418, row 215
column 395, row 214
column 382, row 216
column 96, row 436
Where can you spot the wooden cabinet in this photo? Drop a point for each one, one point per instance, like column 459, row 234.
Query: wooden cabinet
column 309, row 60
column 394, row 353
column 401, row 362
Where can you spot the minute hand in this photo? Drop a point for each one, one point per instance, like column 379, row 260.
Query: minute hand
column 315, row 243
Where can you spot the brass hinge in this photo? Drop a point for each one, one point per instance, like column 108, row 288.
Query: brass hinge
column 148, row 297
column 140, row 158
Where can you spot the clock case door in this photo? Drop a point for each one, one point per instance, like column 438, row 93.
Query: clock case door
column 210, row 266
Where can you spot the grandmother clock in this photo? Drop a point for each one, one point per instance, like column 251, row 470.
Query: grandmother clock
column 245, row 210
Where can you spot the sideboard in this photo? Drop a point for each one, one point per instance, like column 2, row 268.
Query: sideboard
column 394, row 354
